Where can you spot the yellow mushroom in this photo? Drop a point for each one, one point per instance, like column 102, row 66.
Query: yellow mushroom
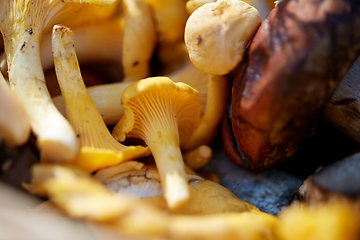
column 198, row 157
column 142, row 182
column 90, row 12
column 96, row 2
column 127, row 38
column 332, row 220
column 192, row 5
column 22, row 24
column 84, row 198
column 254, row 225
column 164, row 114
column 137, row 180
column 98, row 148
column 216, row 34
column 14, row 124
column 98, row 33
column 106, row 98
column 101, row 42
column 75, row 192
column 213, row 93
column 170, row 19
column 139, row 39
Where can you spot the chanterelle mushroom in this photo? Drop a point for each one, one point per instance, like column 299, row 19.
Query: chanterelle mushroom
column 84, row 198
column 139, row 39
column 213, row 92
column 192, row 5
column 216, row 34
column 164, row 114
column 105, row 97
column 22, row 23
column 170, row 19
column 98, row 148
column 95, row 28
column 142, row 182
column 99, row 42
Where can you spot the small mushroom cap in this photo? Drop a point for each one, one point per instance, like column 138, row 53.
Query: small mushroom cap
column 216, row 34
column 188, row 107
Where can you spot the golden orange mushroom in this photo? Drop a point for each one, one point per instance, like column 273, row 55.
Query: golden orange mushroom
column 98, row 148
column 164, row 114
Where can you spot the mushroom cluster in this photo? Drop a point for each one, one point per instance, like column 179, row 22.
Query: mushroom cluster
column 124, row 154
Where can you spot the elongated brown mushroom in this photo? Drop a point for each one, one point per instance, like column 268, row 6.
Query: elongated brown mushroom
column 164, row 114
column 98, row 149
column 292, row 67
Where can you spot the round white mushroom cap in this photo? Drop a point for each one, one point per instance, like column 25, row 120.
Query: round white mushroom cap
column 216, row 34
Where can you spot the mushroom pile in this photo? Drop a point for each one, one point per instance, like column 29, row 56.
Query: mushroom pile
column 123, row 155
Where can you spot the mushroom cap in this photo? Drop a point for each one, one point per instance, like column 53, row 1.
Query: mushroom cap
column 143, row 182
column 183, row 100
column 84, row 198
column 216, row 34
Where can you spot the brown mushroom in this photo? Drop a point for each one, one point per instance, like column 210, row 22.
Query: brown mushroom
column 296, row 60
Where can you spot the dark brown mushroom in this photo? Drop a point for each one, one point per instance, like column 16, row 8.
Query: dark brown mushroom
column 296, row 60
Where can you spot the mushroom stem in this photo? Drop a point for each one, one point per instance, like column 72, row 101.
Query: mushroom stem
column 55, row 137
column 215, row 109
column 106, row 98
column 14, row 125
column 163, row 114
column 98, row 148
column 198, row 157
column 164, row 146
